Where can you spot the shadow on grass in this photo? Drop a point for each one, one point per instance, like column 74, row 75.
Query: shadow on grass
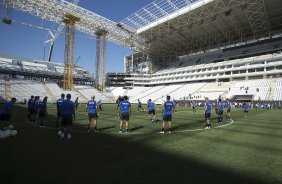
column 37, row 155
column 135, row 128
column 107, row 127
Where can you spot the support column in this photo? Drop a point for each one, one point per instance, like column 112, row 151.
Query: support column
column 70, row 21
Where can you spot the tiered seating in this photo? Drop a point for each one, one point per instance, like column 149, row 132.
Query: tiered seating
column 88, row 92
column 278, row 90
column 119, row 91
column 258, row 88
column 40, row 67
column 136, row 90
column 23, row 89
column 202, row 95
column 2, row 90
column 145, row 94
column 186, row 90
column 57, row 91
column 160, row 95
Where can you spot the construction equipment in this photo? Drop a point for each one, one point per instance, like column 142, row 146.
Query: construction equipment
column 69, row 20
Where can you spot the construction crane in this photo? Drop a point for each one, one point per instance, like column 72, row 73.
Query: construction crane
column 55, row 36
column 74, row 17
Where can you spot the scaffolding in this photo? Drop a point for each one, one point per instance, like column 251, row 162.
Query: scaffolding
column 70, row 21
column 100, row 61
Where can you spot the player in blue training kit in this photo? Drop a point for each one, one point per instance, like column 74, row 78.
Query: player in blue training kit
column 59, row 113
column 193, row 106
column 31, row 109
column 42, row 109
column 125, row 110
column 207, row 113
column 216, row 107
column 68, row 115
column 139, row 104
column 168, row 111
column 151, row 110
column 228, row 106
column 92, row 110
column 5, row 113
column 220, row 111
column 246, row 107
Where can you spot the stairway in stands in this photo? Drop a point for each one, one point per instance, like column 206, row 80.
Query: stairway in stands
column 50, row 94
column 8, row 90
column 270, row 93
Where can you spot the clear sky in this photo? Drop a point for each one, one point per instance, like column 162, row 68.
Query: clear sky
column 24, row 41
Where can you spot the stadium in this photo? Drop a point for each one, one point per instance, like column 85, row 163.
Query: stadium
column 198, row 100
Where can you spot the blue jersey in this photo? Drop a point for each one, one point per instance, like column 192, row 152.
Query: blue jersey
column 124, row 106
column 168, row 107
column 220, row 106
column 246, row 106
column 67, row 107
column 151, row 106
column 42, row 106
column 139, row 103
column 31, row 104
column 7, row 107
column 91, row 105
column 193, row 104
column 216, row 105
column 208, row 107
column 59, row 103
column 228, row 105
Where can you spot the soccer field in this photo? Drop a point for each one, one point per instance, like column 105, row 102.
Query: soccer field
column 245, row 150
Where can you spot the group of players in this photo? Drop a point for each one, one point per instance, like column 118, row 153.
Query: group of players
column 66, row 112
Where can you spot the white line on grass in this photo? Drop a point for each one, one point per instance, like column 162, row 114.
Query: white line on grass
column 201, row 129
column 177, row 131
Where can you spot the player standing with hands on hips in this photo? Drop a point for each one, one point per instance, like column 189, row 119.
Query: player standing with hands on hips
column 125, row 111
column 168, row 111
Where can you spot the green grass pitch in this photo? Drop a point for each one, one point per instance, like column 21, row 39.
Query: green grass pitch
column 247, row 150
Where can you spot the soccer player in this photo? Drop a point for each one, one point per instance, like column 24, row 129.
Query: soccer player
column 68, row 115
column 151, row 108
column 5, row 113
column 220, row 111
column 92, row 110
column 168, row 111
column 59, row 114
column 36, row 105
column 246, row 109
column 207, row 113
column 76, row 103
column 193, row 106
column 31, row 109
column 139, row 104
column 125, row 111
column 42, row 106
column 99, row 104
column 216, row 107
column 228, row 106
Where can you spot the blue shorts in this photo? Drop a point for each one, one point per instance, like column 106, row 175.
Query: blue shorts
column 207, row 115
column 67, row 120
column 92, row 116
column 167, row 117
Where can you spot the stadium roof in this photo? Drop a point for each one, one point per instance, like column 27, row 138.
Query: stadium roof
column 184, row 26
column 175, row 27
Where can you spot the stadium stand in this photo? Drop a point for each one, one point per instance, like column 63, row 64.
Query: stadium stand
column 278, row 90
column 258, row 88
column 23, row 89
